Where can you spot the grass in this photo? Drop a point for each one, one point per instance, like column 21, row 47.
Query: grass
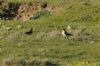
column 17, row 48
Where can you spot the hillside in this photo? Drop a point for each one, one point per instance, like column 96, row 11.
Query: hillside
column 46, row 46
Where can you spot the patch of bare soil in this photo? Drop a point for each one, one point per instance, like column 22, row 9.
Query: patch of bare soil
column 23, row 11
column 27, row 10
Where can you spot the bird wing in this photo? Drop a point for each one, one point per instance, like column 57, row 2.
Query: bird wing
column 69, row 34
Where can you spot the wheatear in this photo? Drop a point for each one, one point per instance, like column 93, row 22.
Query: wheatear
column 66, row 34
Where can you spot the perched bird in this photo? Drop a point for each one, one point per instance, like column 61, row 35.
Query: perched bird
column 66, row 34
column 29, row 32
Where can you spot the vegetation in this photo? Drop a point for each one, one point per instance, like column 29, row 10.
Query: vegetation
column 41, row 14
column 46, row 46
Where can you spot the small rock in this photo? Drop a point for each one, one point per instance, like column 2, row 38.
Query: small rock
column 91, row 42
column 8, row 28
column 19, row 26
column 69, row 27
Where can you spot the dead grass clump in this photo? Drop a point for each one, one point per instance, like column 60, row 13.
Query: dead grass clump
column 83, row 35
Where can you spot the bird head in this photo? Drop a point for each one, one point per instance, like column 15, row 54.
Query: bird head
column 63, row 29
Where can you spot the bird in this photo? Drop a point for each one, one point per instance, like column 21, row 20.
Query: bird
column 29, row 32
column 66, row 34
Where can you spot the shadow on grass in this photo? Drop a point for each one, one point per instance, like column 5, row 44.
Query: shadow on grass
column 29, row 63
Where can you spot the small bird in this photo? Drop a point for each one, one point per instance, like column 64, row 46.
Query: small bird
column 29, row 32
column 66, row 34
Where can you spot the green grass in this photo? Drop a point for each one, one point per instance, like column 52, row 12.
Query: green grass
column 16, row 47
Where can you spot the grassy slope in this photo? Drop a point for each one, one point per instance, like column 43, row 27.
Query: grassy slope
column 74, row 13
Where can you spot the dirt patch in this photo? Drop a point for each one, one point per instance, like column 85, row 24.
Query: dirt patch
column 27, row 10
column 23, row 11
